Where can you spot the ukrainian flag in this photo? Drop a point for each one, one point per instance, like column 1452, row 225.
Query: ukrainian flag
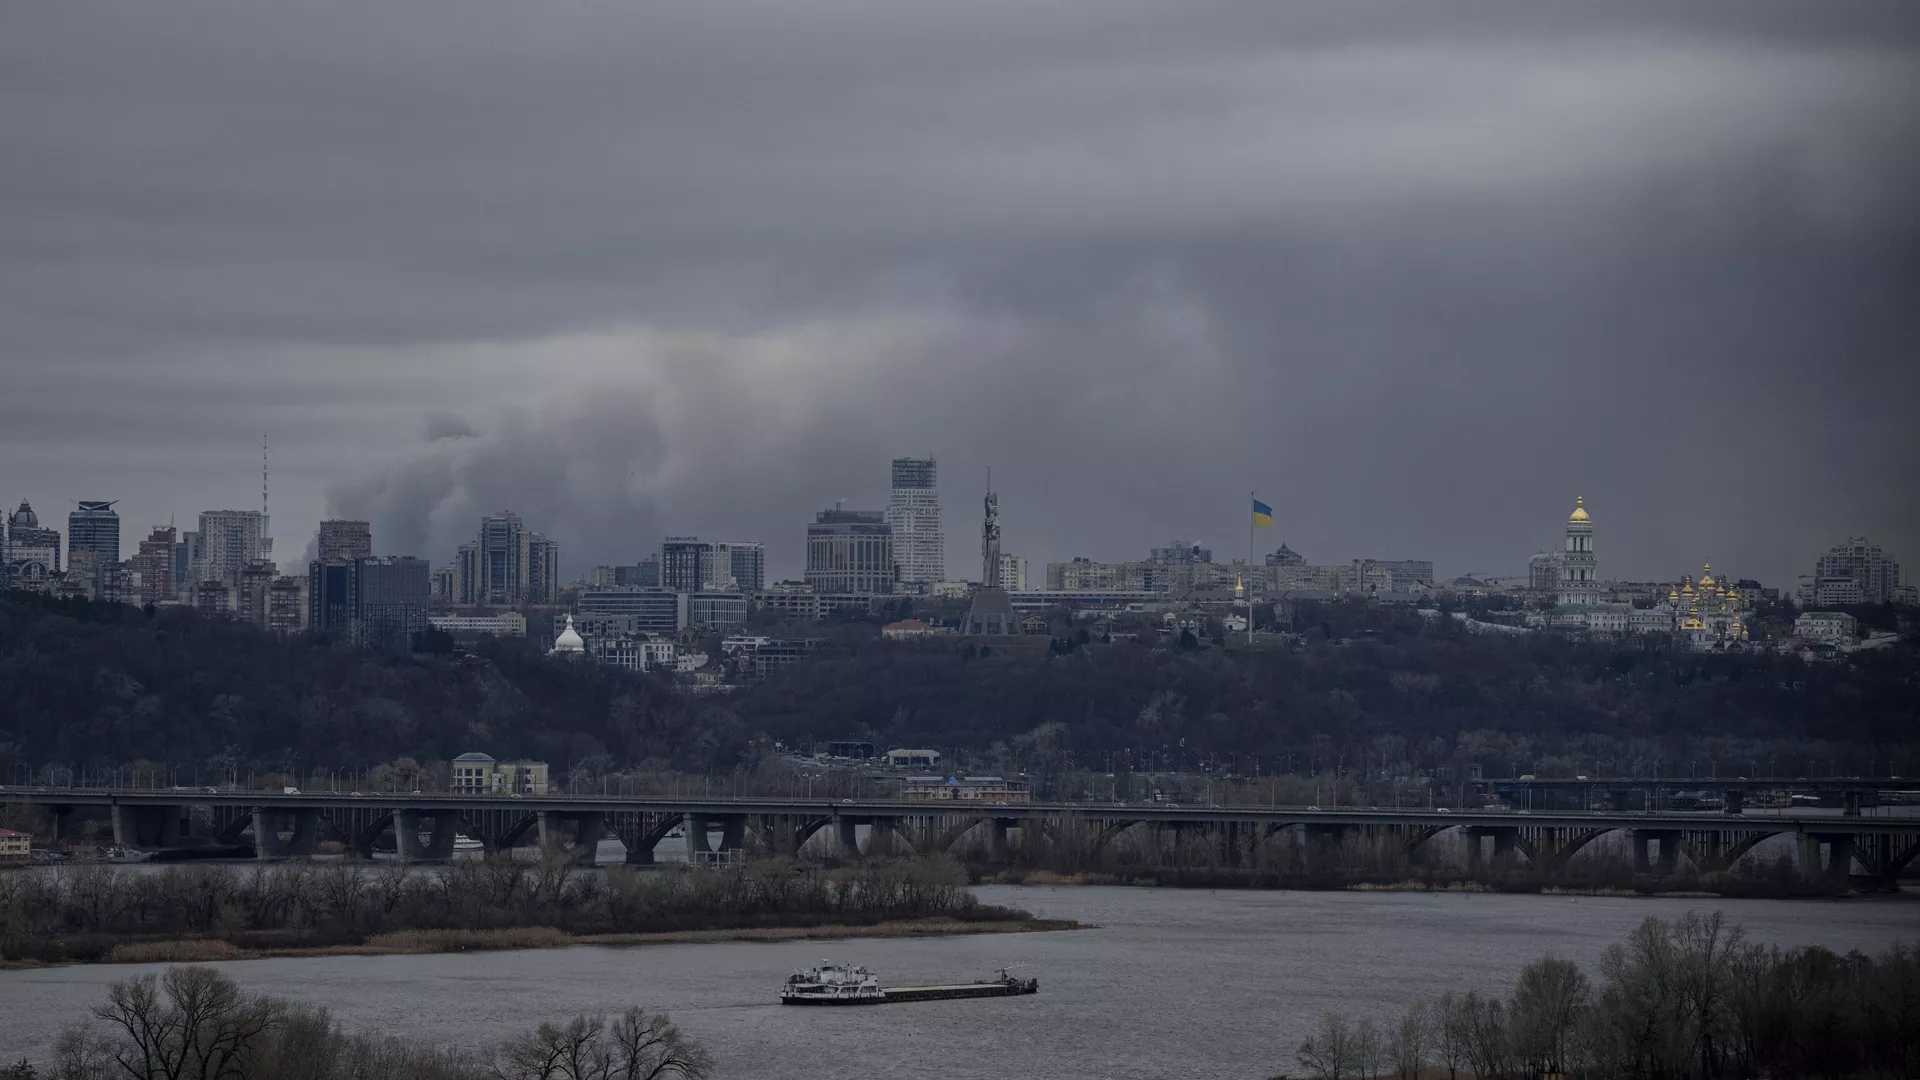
column 1262, row 514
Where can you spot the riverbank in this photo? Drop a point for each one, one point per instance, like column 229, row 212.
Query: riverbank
column 424, row 942
column 1704, row 886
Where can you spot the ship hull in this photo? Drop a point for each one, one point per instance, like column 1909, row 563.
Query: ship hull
column 951, row 993
column 897, row 994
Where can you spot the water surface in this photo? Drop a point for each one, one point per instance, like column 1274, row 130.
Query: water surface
column 1169, row 982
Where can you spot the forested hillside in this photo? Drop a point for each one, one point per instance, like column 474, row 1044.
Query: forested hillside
column 1369, row 682
column 99, row 684
column 105, row 683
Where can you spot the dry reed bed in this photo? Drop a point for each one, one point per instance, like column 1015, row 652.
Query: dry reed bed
column 420, row 942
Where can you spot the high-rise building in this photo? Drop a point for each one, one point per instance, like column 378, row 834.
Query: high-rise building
column 503, row 560
column 445, row 585
column 749, row 565
column 685, row 563
column 392, row 600
column 287, row 605
column 1855, row 572
column 646, row 572
column 331, row 589
column 229, row 540
column 94, row 526
column 377, row 602
column 33, row 552
column 1180, row 553
column 466, row 574
column 186, row 560
column 690, row 564
column 251, row 592
column 850, row 551
column 344, row 541
column 154, row 564
column 1579, row 569
column 508, row 564
column 543, row 569
column 1543, row 572
column 1013, row 573
column 913, row 513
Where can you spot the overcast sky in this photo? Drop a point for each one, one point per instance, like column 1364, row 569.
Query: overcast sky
column 1420, row 272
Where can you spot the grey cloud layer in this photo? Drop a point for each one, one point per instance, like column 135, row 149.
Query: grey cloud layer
column 1420, row 271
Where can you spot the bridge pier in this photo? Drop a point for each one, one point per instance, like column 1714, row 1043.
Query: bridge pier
column 149, row 826
column 1505, row 848
column 1840, row 850
column 589, row 826
column 733, row 832
column 997, row 850
column 439, row 844
column 1321, row 852
column 847, row 836
column 1669, row 841
column 303, row 827
column 1234, row 847
column 883, row 835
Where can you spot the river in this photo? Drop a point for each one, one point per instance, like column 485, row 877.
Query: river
column 1166, row 983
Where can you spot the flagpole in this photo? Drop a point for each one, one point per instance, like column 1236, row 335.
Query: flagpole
column 1252, row 497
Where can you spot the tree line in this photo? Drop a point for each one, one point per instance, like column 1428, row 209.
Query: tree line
column 86, row 912
column 1689, row 999
column 196, row 1023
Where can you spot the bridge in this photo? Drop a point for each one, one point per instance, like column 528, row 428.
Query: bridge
column 1853, row 793
column 425, row 827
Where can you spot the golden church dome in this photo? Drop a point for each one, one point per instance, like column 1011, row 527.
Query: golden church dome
column 1706, row 576
column 1579, row 511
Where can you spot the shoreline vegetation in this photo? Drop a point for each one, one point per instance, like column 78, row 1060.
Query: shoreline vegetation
column 97, row 914
column 1778, row 881
column 186, row 950
column 1688, row 999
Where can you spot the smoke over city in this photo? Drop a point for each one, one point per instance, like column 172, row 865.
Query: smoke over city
column 1418, row 273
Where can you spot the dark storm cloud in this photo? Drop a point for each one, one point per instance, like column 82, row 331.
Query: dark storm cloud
column 1420, row 272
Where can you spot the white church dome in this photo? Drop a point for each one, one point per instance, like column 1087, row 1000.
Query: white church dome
column 569, row 640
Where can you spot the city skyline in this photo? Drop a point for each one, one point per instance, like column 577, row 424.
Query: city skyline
column 791, row 563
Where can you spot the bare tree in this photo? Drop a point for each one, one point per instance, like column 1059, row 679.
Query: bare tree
column 1452, row 1026
column 1707, row 950
column 648, row 1046
column 193, row 1023
column 83, row 1054
column 1489, row 1041
column 1366, row 1049
column 1329, row 1052
column 638, row 1045
column 1407, row 1043
column 1549, row 999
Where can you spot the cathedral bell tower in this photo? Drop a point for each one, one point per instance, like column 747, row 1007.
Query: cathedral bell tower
column 1579, row 577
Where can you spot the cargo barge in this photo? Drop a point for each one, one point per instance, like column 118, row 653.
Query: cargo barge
column 840, row 984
